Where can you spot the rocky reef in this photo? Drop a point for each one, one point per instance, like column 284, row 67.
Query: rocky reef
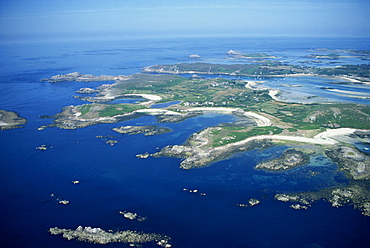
column 99, row 236
column 357, row 194
column 87, row 91
column 289, row 159
column 10, row 120
column 146, row 130
column 351, row 160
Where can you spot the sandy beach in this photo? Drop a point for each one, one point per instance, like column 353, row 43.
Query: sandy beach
column 147, row 96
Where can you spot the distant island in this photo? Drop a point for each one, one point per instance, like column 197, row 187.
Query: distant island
column 263, row 120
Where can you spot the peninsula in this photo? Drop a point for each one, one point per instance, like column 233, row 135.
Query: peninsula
column 10, row 120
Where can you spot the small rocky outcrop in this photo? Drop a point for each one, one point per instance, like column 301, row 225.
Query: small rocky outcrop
column 146, row 130
column 87, row 91
column 289, row 159
column 132, row 216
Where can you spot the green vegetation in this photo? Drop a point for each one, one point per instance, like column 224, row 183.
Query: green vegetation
column 351, row 70
column 254, row 55
column 315, row 116
column 216, row 92
column 220, row 92
column 84, row 108
column 112, row 110
column 271, row 68
column 226, row 135
column 265, row 68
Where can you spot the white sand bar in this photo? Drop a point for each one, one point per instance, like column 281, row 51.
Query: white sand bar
column 147, row 96
column 157, row 112
column 324, row 138
column 261, row 121
column 332, row 133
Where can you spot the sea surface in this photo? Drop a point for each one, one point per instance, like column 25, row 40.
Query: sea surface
column 112, row 179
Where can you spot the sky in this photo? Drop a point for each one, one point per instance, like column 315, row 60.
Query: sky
column 99, row 18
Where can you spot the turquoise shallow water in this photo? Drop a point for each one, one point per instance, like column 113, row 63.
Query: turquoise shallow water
column 112, row 179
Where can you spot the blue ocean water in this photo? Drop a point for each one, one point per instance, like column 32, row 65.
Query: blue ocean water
column 112, row 179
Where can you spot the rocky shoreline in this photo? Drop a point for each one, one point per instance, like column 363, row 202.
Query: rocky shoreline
column 99, row 236
column 76, row 76
column 10, row 120
column 356, row 194
column 146, row 130
column 289, row 159
column 197, row 152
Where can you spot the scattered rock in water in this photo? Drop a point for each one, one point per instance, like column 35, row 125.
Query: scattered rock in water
column 128, row 215
column 64, row 202
column 251, row 202
column 132, row 216
column 144, row 155
column 59, row 200
column 108, row 139
column 193, row 191
column 43, row 147
column 99, row 236
column 111, row 142
column 298, row 206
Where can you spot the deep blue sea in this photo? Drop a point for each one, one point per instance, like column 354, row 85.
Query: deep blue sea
column 112, row 179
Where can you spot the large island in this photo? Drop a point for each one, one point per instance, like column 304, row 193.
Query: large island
column 262, row 119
